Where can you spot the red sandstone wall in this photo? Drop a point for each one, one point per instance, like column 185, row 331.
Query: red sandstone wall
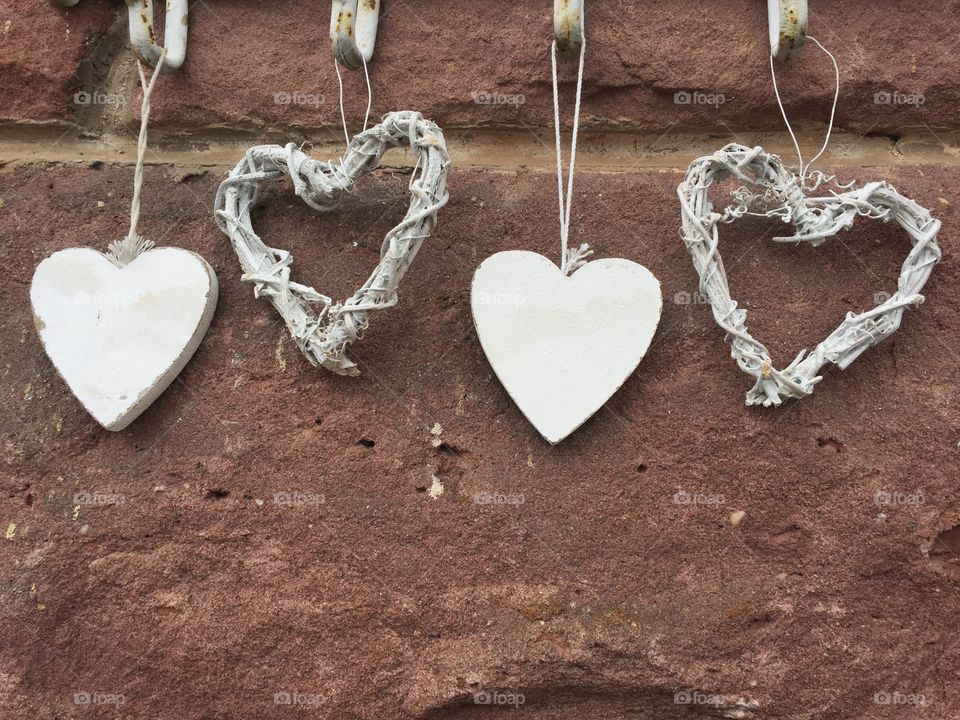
column 195, row 595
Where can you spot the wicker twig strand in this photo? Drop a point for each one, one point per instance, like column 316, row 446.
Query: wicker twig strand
column 323, row 336
column 816, row 219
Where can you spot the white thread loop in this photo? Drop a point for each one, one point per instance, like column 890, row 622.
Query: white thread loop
column 343, row 113
column 569, row 261
column 804, row 170
column 124, row 251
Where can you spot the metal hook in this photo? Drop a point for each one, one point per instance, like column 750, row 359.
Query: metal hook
column 142, row 36
column 143, row 39
column 353, row 30
column 788, row 26
column 568, row 27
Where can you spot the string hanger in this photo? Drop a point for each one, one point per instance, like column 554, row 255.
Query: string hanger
column 810, row 218
column 366, row 117
column 805, row 175
column 793, row 207
column 569, row 260
column 125, row 250
column 343, row 114
column 353, row 36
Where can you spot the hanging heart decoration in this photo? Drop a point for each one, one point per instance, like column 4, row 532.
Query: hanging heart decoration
column 561, row 344
column 563, row 339
column 120, row 326
column 322, row 328
column 816, row 219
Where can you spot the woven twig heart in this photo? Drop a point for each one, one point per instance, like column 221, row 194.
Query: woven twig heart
column 323, row 335
column 816, row 219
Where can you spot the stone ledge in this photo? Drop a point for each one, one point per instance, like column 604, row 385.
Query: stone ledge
column 496, row 149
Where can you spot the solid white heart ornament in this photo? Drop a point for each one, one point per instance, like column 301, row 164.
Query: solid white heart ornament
column 119, row 334
column 563, row 345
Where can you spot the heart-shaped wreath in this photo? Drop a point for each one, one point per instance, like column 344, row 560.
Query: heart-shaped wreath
column 816, row 219
column 323, row 335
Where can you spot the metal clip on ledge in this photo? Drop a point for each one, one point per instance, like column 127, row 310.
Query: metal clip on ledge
column 353, row 31
column 143, row 37
column 568, row 27
column 788, row 26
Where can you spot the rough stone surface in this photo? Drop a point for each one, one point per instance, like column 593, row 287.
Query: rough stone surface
column 394, row 544
column 487, row 63
column 44, row 53
column 168, row 565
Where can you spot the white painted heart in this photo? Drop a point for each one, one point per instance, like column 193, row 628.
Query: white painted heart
column 563, row 345
column 816, row 220
column 119, row 334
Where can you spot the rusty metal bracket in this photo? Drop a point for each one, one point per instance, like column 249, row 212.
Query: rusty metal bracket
column 568, row 27
column 788, row 26
column 143, row 37
column 353, row 31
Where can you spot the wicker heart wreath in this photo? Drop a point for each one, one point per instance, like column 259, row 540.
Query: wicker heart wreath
column 815, row 219
column 322, row 328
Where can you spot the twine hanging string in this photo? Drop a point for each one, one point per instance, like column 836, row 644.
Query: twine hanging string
column 569, row 260
column 124, row 251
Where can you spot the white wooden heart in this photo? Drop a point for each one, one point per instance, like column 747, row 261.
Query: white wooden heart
column 119, row 334
column 563, row 345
